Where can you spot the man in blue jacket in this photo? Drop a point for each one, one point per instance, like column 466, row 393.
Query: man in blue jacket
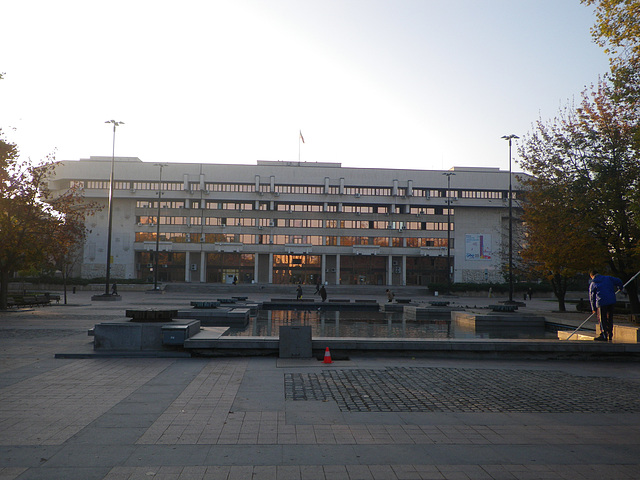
column 602, row 295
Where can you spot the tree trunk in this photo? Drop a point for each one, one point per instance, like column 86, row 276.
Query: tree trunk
column 4, row 288
column 64, row 287
column 559, row 284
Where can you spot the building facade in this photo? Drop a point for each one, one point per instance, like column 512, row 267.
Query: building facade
column 291, row 222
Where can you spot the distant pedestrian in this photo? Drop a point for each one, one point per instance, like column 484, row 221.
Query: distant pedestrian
column 530, row 292
column 299, row 292
column 602, row 295
column 114, row 289
column 317, row 286
column 323, row 293
column 235, row 280
column 390, row 296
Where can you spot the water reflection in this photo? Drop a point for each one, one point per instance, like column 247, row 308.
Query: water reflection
column 374, row 325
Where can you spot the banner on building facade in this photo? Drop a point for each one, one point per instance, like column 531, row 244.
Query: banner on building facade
column 478, row 247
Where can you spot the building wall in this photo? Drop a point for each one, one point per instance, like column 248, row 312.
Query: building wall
column 290, row 221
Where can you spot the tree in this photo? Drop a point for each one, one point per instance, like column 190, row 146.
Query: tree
column 69, row 235
column 588, row 161
column 30, row 228
column 559, row 245
column 617, row 30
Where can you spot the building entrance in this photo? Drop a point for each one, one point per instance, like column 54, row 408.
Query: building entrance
column 224, row 267
column 362, row 270
column 425, row 270
column 297, row 269
column 170, row 266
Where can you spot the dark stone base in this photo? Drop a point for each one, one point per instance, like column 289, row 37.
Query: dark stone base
column 107, row 298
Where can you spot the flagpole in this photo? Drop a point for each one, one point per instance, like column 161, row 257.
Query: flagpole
column 300, row 139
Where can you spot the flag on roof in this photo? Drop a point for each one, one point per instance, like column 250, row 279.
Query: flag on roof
column 301, row 137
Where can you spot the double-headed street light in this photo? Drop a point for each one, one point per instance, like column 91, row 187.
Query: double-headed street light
column 509, row 138
column 110, row 211
column 155, row 278
column 448, row 175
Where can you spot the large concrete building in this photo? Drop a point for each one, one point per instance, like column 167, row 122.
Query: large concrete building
column 289, row 222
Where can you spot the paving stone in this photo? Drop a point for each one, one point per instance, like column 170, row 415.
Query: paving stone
column 417, row 389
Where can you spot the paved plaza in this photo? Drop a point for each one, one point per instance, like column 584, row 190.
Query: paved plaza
column 368, row 417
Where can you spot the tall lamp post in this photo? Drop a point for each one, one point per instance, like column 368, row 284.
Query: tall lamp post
column 155, row 279
column 110, row 210
column 509, row 138
column 448, row 175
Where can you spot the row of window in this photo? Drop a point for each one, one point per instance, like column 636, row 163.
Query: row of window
column 294, row 189
column 291, row 223
column 296, row 207
column 319, row 240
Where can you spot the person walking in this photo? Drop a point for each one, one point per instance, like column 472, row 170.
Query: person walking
column 602, row 296
column 390, row 296
column 299, row 292
column 323, row 293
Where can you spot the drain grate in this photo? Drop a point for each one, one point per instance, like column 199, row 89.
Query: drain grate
column 464, row 390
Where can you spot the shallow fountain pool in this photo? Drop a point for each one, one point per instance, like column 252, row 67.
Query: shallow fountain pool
column 376, row 325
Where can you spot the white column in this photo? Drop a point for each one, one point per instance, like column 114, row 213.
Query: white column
column 271, row 268
column 323, row 268
column 255, row 267
column 390, row 270
column 337, row 269
column 404, row 269
column 187, row 267
column 203, row 267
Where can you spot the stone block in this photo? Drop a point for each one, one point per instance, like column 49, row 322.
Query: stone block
column 295, row 342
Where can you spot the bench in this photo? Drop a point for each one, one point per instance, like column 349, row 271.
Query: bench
column 27, row 300
column 503, row 308
column 55, row 297
column 283, row 300
column 438, row 303
column 403, row 300
column 204, row 304
column 227, row 300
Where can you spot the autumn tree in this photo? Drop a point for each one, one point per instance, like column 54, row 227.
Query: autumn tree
column 30, row 228
column 617, row 30
column 558, row 245
column 586, row 162
column 69, row 235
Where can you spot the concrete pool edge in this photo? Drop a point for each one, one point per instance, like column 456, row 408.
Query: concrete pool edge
column 341, row 347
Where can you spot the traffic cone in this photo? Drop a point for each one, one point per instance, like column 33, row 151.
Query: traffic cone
column 327, row 356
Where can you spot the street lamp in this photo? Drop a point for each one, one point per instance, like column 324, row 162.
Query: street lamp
column 110, row 211
column 448, row 175
column 509, row 138
column 155, row 281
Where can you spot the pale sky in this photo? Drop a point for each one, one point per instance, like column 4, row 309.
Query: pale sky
column 421, row 84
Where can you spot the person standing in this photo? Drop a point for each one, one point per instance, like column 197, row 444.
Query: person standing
column 323, row 293
column 602, row 296
column 299, row 292
column 390, row 296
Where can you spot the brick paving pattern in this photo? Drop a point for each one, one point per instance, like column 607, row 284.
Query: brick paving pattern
column 464, row 390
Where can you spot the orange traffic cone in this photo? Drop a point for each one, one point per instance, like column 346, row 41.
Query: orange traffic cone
column 327, row 356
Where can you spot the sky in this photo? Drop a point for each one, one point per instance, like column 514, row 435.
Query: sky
column 411, row 84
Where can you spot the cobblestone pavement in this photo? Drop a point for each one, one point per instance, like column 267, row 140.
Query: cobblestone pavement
column 263, row 418
column 464, row 390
